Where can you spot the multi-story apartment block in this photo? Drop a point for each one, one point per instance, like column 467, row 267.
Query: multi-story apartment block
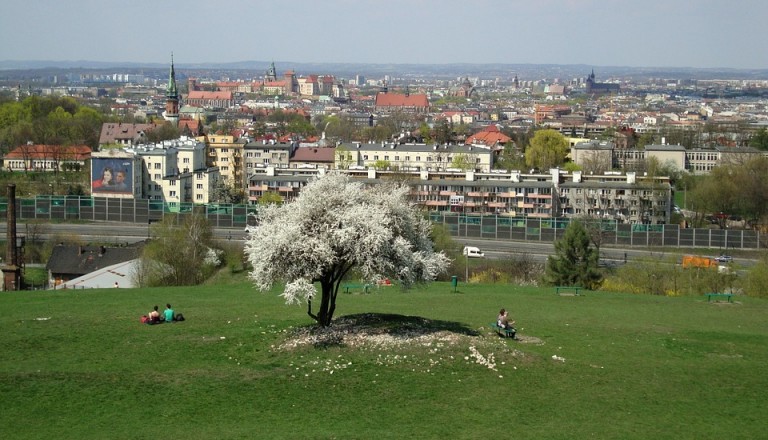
column 604, row 156
column 414, row 157
column 226, row 155
column 176, row 172
column 624, row 198
column 266, row 153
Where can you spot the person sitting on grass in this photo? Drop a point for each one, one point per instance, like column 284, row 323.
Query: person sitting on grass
column 168, row 313
column 154, row 316
column 504, row 323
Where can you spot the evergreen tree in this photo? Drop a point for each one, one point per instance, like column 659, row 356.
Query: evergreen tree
column 575, row 261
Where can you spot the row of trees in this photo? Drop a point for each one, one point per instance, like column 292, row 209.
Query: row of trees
column 734, row 189
column 51, row 121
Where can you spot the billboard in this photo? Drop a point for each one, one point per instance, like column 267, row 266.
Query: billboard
column 111, row 175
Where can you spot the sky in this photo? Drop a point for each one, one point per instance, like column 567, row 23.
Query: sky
column 634, row 33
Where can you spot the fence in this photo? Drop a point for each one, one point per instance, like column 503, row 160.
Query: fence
column 458, row 224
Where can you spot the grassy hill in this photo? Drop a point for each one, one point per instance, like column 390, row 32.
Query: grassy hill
column 78, row 364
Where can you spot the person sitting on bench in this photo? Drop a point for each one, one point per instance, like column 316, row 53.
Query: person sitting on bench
column 503, row 320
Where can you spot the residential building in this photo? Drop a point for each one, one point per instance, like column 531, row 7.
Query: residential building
column 625, row 198
column 414, row 156
column 313, row 157
column 226, row 155
column 35, row 157
column 594, row 156
column 266, row 153
column 126, row 135
column 176, row 172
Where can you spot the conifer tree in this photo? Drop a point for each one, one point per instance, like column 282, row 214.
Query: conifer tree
column 575, row 261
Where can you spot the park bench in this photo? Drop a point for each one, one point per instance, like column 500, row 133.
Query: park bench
column 575, row 289
column 506, row 332
column 348, row 288
column 710, row 296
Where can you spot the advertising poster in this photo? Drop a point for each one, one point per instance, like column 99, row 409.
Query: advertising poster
column 111, row 176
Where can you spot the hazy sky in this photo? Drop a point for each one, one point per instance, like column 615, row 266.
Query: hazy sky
column 651, row 33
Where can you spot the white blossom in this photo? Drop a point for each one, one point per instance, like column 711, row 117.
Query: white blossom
column 336, row 224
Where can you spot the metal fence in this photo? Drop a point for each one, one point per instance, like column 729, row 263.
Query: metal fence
column 458, row 224
column 610, row 232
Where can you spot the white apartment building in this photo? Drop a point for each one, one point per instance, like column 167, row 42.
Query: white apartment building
column 175, row 172
column 414, row 157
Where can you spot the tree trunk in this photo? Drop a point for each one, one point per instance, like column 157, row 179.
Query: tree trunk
column 325, row 313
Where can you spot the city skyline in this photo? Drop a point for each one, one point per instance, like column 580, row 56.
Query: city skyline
column 655, row 33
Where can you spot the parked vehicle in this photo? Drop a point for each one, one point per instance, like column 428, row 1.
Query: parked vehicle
column 724, row 259
column 473, row 252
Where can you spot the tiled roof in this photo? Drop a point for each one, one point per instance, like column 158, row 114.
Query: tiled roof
column 74, row 261
column 197, row 94
column 111, row 132
column 50, row 152
column 488, row 136
column 398, row 100
column 314, row 154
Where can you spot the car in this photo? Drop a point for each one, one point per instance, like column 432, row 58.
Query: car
column 472, row 252
column 724, row 259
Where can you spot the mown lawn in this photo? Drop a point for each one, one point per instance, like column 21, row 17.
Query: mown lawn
column 78, row 364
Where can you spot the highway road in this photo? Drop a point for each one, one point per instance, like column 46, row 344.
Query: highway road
column 121, row 233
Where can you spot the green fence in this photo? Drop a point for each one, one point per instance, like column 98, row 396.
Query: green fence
column 494, row 227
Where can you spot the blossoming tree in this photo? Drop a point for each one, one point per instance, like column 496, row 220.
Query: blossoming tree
column 333, row 226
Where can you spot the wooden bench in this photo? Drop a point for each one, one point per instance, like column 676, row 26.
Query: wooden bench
column 728, row 296
column 575, row 289
column 349, row 287
column 506, row 332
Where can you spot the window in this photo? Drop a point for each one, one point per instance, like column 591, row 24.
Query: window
column 157, row 166
column 199, row 176
column 173, row 183
column 172, row 193
column 185, row 160
column 199, row 186
column 199, row 197
column 158, row 177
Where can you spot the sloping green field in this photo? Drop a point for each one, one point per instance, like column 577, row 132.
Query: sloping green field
column 78, row 365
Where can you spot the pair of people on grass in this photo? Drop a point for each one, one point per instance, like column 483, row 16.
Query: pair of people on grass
column 168, row 315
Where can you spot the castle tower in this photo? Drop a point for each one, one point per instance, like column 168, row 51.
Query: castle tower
column 172, row 98
column 271, row 73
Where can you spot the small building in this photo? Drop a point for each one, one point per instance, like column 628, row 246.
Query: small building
column 36, row 157
column 68, row 262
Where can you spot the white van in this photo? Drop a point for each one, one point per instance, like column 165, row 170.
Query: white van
column 472, row 252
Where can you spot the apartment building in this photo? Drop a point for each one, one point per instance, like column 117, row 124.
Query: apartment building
column 226, row 155
column 414, row 157
column 624, row 198
column 266, row 153
column 596, row 157
column 175, row 172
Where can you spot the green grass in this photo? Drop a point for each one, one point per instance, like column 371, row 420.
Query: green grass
column 635, row 367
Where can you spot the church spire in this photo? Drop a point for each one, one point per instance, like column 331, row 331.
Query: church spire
column 172, row 98
column 172, row 92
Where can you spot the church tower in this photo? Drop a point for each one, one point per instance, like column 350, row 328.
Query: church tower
column 172, row 98
column 271, row 75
